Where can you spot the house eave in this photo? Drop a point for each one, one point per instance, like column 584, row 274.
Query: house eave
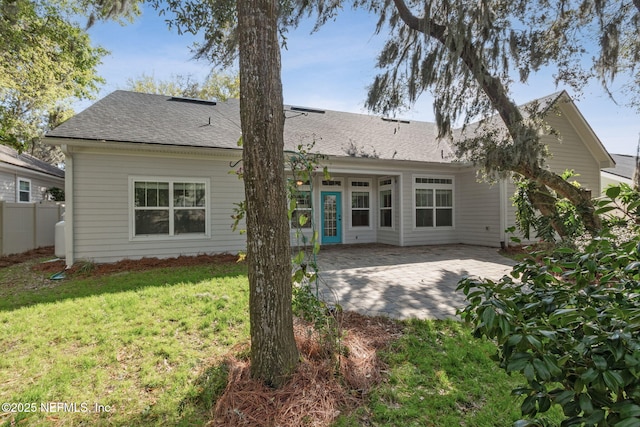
column 131, row 147
column 458, row 165
column 22, row 170
column 145, row 148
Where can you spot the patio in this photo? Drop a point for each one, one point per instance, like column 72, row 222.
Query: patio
column 404, row 282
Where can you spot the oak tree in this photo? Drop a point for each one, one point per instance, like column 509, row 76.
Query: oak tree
column 466, row 54
column 252, row 28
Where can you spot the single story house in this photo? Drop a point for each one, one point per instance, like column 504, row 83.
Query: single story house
column 24, row 178
column 153, row 176
column 621, row 172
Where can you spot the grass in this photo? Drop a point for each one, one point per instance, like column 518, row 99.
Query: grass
column 149, row 346
column 440, row 375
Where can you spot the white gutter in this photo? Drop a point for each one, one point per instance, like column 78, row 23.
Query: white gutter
column 504, row 239
column 68, row 212
column 24, row 171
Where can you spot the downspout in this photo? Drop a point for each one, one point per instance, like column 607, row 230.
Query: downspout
column 504, row 241
column 399, row 188
column 68, row 206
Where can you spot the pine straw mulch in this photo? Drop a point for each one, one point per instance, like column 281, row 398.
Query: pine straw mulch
column 9, row 260
column 135, row 264
column 320, row 389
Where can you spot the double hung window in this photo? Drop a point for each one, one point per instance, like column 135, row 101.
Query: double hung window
column 170, row 207
column 433, row 202
column 24, row 190
column 301, row 216
column 360, row 204
column 385, row 193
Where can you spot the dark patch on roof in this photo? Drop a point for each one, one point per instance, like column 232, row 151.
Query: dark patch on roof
column 391, row 119
column 306, row 110
column 24, row 160
column 192, row 100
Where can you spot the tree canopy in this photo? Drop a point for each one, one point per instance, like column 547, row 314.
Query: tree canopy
column 466, row 54
column 45, row 59
column 216, row 86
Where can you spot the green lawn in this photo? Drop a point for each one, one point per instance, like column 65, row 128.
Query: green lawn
column 149, row 348
column 146, row 345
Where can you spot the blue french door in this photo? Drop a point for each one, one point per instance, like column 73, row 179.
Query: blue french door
column 331, row 217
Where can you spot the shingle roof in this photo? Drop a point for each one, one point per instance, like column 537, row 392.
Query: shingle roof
column 625, row 166
column 10, row 156
column 156, row 119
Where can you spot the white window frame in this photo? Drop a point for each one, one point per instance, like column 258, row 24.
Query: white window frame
column 304, row 188
column 434, row 186
column 381, row 188
column 171, row 236
column 332, row 183
column 19, row 191
column 360, row 189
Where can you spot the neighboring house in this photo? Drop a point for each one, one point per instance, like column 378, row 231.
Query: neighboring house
column 24, row 178
column 26, row 221
column 621, row 172
column 153, row 176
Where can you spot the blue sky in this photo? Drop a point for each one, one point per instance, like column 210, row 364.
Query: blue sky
column 330, row 69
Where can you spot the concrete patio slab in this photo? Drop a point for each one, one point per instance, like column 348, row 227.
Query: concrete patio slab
column 404, row 282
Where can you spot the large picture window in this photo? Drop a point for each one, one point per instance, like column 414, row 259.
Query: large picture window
column 433, row 202
column 386, row 202
column 360, row 204
column 169, row 207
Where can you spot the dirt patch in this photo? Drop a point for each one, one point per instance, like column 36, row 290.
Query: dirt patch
column 134, row 265
column 319, row 391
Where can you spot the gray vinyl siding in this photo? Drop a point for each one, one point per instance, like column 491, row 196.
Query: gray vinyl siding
column 102, row 208
column 567, row 152
column 39, row 187
column 7, row 187
column 477, row 211
column 571, row 153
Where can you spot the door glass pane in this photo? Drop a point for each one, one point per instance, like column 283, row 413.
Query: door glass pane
column 330, row 225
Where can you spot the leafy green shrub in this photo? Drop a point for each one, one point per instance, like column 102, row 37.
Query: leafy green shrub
column 570, row 324
column 566, row 221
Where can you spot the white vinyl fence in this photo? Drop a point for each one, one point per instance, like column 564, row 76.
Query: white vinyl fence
column 26, row 226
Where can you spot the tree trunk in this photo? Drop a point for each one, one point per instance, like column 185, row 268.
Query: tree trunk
column 521, row 134
column 274, row 355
